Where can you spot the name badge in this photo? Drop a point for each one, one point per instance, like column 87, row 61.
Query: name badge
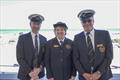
column 55, row 46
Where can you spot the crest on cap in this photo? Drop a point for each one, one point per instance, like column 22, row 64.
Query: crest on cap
column 36, row 17
column 84, row 14
column 60, row 24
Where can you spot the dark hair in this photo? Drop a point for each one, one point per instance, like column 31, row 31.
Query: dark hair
column 64, row 29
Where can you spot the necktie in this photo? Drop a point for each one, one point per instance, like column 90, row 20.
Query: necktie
column 36, row 44
column 61, row 42
column 91, row 53
column 35, row 60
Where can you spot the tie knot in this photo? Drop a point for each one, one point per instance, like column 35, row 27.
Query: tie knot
column 61, row 42
column 87, row 33
column 36, row 36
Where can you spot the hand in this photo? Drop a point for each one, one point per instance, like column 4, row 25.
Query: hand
column 96, row 75
column 36, row 71
column 51, row 79
column 72, row 78
column 34, row 78
column 87, row 76
column 31, row 74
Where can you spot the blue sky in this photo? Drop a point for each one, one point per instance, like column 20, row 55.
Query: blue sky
column 14, row 13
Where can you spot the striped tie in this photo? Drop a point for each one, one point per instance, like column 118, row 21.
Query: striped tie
column 91, row 53
column 36, row 44
column 35, row 60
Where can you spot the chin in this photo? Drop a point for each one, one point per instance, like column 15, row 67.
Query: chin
column 60, row 37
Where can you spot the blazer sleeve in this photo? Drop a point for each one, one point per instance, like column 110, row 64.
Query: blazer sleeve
column 109, row 54
column 73, row 70
column 47, row 61
column 76, row 57
column 20, row 56
column 42, row 64
column 73, row 66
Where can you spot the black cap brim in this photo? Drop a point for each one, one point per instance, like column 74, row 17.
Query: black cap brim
column 36, row 18
column 85, row 14
column 60, row 24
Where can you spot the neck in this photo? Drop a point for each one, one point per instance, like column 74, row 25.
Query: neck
column 89, row 30
column 35, row 32
column 60, row 38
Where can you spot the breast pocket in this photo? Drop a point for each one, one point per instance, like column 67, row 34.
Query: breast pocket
column 68, row 50
column 101, row 49
column 55, row 49
column 42, row 48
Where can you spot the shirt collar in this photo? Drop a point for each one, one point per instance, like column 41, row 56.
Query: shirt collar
column 91, row 32
column 61, row 40
column 33, row 34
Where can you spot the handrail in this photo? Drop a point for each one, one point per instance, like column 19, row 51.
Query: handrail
column 16, row 65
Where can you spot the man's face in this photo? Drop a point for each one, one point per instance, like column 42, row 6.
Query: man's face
column 35, row 26
column 59, row 32
column 88, row 24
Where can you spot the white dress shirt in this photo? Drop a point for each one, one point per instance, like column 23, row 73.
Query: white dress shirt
column 33, row 39
column 60, row 40
column 92, row 37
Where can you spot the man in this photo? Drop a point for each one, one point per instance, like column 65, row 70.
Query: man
column 93, row 50
column 30, row 51
column 58, row 58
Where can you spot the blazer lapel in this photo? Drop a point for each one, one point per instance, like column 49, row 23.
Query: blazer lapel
column 83, row 38
column 65, row 41
column 56, row 41
column 40, row 40
column 96, row 38
column 41, row 43
column 30, row 41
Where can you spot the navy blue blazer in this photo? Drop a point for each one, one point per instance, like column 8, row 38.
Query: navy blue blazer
column 58, row 59
column 25, row 53
column 103, row 54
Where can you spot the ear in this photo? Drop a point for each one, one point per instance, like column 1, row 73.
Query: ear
column 93, row 21
column 30, row 23
column 65, row 31
column 54, row 31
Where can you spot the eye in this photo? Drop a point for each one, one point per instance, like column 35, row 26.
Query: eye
column 62, row 29
column 57, row 29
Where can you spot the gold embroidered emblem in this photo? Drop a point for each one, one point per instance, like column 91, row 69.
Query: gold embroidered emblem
column 68, row 46
column 99, row 45
column 101, row 48
column 56, row 46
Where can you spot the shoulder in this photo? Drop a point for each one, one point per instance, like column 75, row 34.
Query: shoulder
column 79, row 35
column 23, row 36
column 42, row 37
column 102, row 32
column 51, row 41
column 68, row 40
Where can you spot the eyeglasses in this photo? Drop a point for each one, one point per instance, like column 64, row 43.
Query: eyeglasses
column 89, row 20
